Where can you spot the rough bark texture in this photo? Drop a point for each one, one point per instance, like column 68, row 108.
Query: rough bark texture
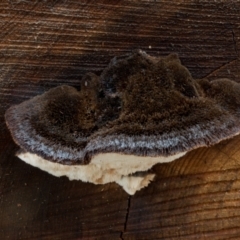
column 49, row 43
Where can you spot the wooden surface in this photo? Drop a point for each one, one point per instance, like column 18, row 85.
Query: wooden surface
column 48, row 43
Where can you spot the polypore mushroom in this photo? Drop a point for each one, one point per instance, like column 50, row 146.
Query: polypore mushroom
column 140, row 111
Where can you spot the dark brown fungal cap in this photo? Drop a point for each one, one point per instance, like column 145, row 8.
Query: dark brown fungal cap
column 140, row 105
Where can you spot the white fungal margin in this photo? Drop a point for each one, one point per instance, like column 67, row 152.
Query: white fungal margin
column 105, row 168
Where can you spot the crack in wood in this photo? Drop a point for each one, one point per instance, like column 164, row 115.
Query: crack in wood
column 235, row 43
column 221, row 67
column 126, row 218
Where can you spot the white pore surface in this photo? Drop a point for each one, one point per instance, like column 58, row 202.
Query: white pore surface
column 104, row 168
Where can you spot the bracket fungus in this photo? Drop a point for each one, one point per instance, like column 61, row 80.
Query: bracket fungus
column 140, row 111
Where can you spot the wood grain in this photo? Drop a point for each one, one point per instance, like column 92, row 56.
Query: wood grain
column 48, row 43
column 195, row 197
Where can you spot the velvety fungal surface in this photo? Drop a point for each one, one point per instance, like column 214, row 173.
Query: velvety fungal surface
column 139, row 105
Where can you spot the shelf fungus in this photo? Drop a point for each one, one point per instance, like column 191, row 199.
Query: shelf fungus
column 140, row 111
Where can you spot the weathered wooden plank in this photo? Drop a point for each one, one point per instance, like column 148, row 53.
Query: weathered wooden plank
column 48, row 43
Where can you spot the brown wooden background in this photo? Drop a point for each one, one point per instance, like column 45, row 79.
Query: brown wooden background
column 47, row 43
